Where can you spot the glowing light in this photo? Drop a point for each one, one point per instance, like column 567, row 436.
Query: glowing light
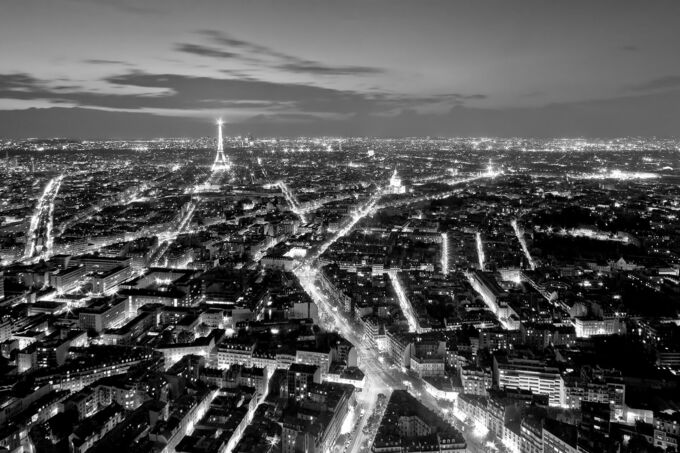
column 169, row 237
column 487, row 300
column 348, row 422
column 356, row 217
column 592, row 234
column 616, row 174
column 480, row 429
column 380, row 375
column 460, row 415
column 404, row 303
column 480, row 250
column 49, row 237
column 445, row 253
column 221, row 163
column 292, row 201
column 273, row 441
column 43, row 215
column 490, row 172
column 296, row 252
column 523, row 244
column 510, row 446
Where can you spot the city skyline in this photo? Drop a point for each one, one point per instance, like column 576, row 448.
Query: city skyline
column 340, row 295
column 139, row 70
column 376, row 226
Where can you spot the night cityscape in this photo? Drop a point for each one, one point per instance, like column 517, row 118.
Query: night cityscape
column 268, row 254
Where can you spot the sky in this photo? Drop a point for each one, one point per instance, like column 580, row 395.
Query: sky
column 152, row 68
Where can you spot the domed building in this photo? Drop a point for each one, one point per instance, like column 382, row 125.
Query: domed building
column 395, row 184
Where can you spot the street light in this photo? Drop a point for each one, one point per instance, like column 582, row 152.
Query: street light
column 272, row 441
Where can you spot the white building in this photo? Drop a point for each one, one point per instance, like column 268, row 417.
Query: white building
column 588, row 327
column 395, row 184
column 534, row 375
column 229, row 354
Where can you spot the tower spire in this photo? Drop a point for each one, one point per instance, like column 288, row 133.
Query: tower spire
column 221, row 163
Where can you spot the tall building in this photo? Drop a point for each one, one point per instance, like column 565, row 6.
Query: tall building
column 221, row 163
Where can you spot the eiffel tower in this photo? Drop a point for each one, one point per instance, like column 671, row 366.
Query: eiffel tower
column 221, row 163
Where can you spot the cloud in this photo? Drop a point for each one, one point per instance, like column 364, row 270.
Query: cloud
column 181, row 92
column 283, row 118
column 192, row 91
column 652, row 114
column 475, row 96
column 205, row 51
column 460, row 97
column 630, row 48
column 17, row 82
column 311, row 67
column 127, row 6
column 97, row 61
column 261, row 55
column 21, row 86
column 175, row 94
column 91, row 123
column 662, row 83
column 640, row 115
column 227, row 40
column 189, row 90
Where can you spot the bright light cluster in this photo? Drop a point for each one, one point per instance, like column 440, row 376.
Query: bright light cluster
column 43, row 214
column 292, row 201
column 523, row 244
column 404, row 303
column 445, row 253
column 359, row 214
column 616, row 174
column 480, row 250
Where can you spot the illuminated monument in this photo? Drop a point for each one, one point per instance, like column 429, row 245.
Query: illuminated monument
column 221, row 163
column 395, row 184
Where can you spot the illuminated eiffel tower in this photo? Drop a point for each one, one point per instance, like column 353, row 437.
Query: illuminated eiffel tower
column 221, row 162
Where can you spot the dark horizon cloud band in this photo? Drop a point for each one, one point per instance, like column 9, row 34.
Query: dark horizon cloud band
column 360, row 68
